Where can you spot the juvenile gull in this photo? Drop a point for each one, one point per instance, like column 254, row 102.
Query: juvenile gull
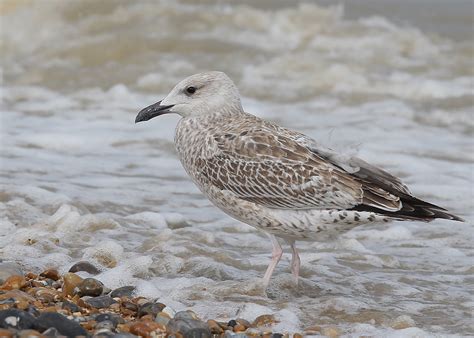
column 275, row 179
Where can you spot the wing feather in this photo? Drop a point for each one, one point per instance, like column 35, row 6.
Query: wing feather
column 274, row 169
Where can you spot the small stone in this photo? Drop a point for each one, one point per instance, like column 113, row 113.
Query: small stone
column 17, row 319
column 104, row 333
column 115, row 307
column 169, row 311
column 232, row 323
column 39, row 283
column 264, row 320
column 150, row 309
column 162, row 318
column 146, row 328
column 64, row 326
column 188, row 314
column 331, row 332
column 100, row 302
column 51, row 274
column 87, row 324
column 243, row 322
column 71, row 281
column 32, row 310
column 51, row 332
column 223, row 325
column 214, row 327
column 184, row 323
column 276, row 335
column 17, row 296
column 198, row 333
column 70, row 306
column 14, row 282
column 239, row 328
column 89, row 287
column 29, row 334
column 8, row 269
column 126, row 306
column 30, row 275
column 84, row 266
column 7, row 303
column 253, row 332
column 297, row 335
column 109, row 317
column 4, row 333
column 105, row 325
column 45, row 295
column 124, row 291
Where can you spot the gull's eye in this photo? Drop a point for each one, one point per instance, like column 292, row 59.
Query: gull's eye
column 190, row 90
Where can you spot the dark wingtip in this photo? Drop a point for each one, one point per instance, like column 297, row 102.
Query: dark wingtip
column 457, row 218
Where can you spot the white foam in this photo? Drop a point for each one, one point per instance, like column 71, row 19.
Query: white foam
column 150, row 219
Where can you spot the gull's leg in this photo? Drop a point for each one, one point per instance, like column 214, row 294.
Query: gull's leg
column 295, row 259
column 277, row 252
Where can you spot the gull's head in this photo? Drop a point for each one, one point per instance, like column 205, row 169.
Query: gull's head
column 203, row 93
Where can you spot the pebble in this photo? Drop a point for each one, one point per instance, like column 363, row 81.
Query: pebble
column 109, row 317
column 64, row 325
column 70, row 306
column 104, row 333
column 21, row 299
column 214, row 327
column 51, row 332
column 105, row 325
column 5, row 333
column 17, row 319
column 150, row 309
column 45, row 295
column 184, row 322
column 100, row 302
column 28, row 334
column 84, row 266
column 8, row 269
column 71, row 281
column 198, row 333
column 239, row 328
column 52, row 308
column 252, row 332
column 264, row 320
column 124, row 291
column 89, row 287
column 162, row 318
column 51, row 274
column 188, row 314
column 128, row 307
column 243, row 322
column 14, row 282
column 146, row 328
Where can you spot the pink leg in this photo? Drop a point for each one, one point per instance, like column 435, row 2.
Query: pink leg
column 277, row 252
column 295, row 260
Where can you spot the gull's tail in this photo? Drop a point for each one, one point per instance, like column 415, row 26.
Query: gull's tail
column 414, row 209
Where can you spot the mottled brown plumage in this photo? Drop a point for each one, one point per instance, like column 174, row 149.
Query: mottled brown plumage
column 276, row 179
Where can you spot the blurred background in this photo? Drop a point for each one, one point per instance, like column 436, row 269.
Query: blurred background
column 389, row 80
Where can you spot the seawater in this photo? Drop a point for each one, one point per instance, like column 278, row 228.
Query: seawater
column 80, row 181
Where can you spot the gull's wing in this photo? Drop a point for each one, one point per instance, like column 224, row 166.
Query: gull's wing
column 267, row 165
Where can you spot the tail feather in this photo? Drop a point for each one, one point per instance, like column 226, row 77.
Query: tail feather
column 414, row 209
